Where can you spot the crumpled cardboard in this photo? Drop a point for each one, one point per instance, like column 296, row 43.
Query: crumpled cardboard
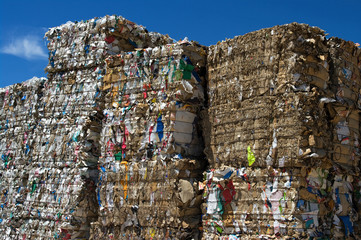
column 111, row 145
column 282, row 100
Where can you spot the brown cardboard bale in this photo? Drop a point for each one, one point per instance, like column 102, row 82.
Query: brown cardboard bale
column 309, row 87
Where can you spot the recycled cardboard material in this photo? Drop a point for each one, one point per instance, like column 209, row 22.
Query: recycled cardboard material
column 57, row 123
column 283, row 128
column 151, row 154
column 135, row 136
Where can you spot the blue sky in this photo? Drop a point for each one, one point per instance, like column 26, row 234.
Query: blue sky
column 23, row 52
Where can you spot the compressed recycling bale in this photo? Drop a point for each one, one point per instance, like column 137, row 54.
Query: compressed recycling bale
column 45, row 179
column 17, row 120
column 87, row 43
column 152, row 98
column 149, row 197
column 69, row 123
column 61, row 139
column 304, row 202
column 250, row 201
column 260, row 89
column 151, row 101
column 66, row 143
column 294, row 110
column 283, row 116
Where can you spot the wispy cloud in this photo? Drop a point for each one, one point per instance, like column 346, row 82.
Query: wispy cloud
column 28, row 47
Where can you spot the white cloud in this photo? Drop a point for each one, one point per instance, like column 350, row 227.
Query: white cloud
column 28, row 47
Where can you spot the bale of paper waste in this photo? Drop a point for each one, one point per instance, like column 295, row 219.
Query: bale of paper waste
column 111, row 145
column 87, row 43
column 151, row 154
column 18, row 121
column 283, row 108
column 55, row 128
column 46, row 152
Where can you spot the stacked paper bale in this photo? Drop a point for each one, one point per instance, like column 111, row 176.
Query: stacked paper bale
column 345, row 65
column 57, row 191
column 86, row 44
column 270, row 141
column 56, row 151
column 47, row 150
column 18, row 121
column 120, row 145
column 69, row 133
column 257, row 83
column 63, row 169
column 152, row 151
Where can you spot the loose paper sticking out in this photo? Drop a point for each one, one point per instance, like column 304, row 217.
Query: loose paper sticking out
column 250, row 156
